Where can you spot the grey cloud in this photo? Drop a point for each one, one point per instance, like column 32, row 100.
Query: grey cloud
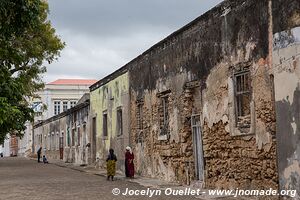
column 102, row 36
column 117, row 17
column 97, row 57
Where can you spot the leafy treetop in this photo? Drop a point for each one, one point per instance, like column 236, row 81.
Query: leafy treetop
column 27, row 40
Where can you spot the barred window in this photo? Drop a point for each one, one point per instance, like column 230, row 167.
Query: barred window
column 73, row 137
column 105, row 133
column 139, row 116
column 119, row 122
column 78, row 136
column 164, row 116
column 243, row 98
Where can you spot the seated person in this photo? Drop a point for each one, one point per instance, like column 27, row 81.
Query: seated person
column 45, row 159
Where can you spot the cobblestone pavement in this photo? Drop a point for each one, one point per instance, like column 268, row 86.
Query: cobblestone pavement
column 22, row 179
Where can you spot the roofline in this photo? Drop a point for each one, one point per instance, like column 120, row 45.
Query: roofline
column 125, row 67
column 81, row 81
column 66, row 84
column 110, row 77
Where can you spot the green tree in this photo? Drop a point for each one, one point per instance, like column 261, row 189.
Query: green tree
column 27, row 40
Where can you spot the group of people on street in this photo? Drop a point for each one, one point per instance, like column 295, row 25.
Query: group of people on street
column 111, row 164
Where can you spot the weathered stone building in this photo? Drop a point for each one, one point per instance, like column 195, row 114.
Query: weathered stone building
column 13, row 144
column 110, row 116
column 286, row 73
column 49, row 134
column 201, row 101
column 66, row 136
column 78, row 139
column 57, row 97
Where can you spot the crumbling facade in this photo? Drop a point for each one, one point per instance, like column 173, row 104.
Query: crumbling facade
column 57, row 96
column 202, row 101
column 110, row 116
column 66, row 136
column 48, row 135
column 205, row 97
column 78, row 146
column 286, row 73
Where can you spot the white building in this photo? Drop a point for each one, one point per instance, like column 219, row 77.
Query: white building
column 1, row 149
column 6, row 147
column 25, row 143
column 61, row 95
column 56, row 97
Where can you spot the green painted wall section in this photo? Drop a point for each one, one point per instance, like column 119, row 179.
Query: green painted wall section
column 108, row 98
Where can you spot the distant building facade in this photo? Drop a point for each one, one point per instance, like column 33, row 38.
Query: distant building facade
column 13, row 144
column 57, row 97
column 1, row 150
column 60, row 95
column 66, row 136
column 6, row 146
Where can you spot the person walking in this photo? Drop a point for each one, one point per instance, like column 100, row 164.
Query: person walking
column 111, row 164
column 39, row 151
column 129, row 165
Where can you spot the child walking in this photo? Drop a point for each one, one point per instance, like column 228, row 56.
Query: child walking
column 111, row 164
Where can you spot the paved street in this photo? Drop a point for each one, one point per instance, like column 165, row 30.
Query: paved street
column 26, row 179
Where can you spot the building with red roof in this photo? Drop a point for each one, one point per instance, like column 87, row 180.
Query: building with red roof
column 73, row 82
column 57, row 97
column 60, row 95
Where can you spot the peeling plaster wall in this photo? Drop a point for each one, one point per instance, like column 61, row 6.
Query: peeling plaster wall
column 158, row 157
column 78, row 154
column 286, row 64
column 204, row 52
column 234, row 159
column 286, row 71
column 46, row 130
column 108, row 98
column 61, row 126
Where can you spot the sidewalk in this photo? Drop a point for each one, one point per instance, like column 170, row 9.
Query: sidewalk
column 146, row 182
column 86, row 169
column 143, row 181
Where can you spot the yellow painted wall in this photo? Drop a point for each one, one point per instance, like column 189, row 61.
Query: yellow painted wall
column 109, row 98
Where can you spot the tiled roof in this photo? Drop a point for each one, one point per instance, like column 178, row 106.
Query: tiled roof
column 73, row 82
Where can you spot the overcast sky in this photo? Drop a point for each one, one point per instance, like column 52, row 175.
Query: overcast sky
column 103, row 35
